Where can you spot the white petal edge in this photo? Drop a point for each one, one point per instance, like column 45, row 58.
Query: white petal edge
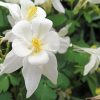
column 94, row 1
column 38, row 59
column 96, row 65
column 12, row 1
column 50, row 69
column 58, row 6
column 40, row 12
column 39, row 2
column 64, row 44
column 9, row 35
column 64, row 31
column 11, row 63
column 90, row 65
column 51, row 41
column 32, row 75
column 11, row 20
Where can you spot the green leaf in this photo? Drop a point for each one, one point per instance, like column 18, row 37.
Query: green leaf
column 44, row 92
column 92, row 82
column 57, row 19
column 50, row 84
column 61, row 60
column 14, row 80
column 63, row 81
column 3, row 19
column 76, row 57
column 4, row 83
column 88, row 17
column 48, row 93
column 74, row 25
column 6, row 96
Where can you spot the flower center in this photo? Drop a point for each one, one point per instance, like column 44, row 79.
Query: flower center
column 31, row 12
column 37, row 44
column 94, row 46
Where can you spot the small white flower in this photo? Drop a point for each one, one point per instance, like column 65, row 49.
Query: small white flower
column 56, row 4
column 94, row 58
column 33, row 49
column 27, row 11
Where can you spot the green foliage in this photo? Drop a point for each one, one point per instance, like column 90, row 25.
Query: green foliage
column 4, row 83
column 14, row 80
column 92, row 82
column 44, row 92
column 63, row 81
column 58, row 19
column 3, row 19
column 78, row 58
column 84, row 31
column 6, row 96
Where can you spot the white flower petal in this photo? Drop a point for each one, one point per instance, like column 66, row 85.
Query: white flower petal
column 50, row 69
column 99, row 58
column 32, row 75
column 23, row 30
column 41, row 26
column 96, row 66
column 51, row 41
column 12, row 1
column 20, row 48
column 64, row 31
column 97, row 50
column 38, row 59
column 58, row 6
column 91, row 64
column 39, row 2
column 40, row 12
column 9, row 35
column 11, row 20
column 11, row 63
column 94, row 1
column 88, row 50
column 64, row 44
column 25, row 4
column 14, row 10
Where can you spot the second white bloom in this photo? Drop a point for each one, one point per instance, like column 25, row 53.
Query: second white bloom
column 94, row 62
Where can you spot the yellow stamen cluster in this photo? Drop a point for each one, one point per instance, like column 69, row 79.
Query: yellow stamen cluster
column 31, row 12
column 94, row 46
column 37, row 44
column 98, row 91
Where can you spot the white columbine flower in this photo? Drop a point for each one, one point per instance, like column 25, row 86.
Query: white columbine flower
column 56, row 4
column 28, row 11
column 33, row 49
column 94, row 58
